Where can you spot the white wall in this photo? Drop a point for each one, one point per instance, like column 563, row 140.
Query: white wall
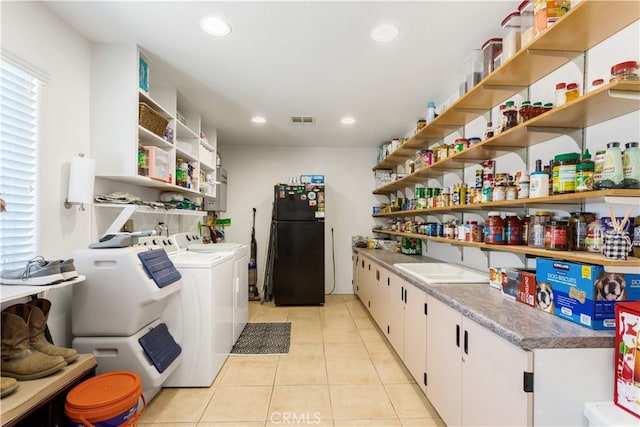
column 253, row 171
column 33, row 33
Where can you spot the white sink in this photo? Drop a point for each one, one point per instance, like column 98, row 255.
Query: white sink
column 432, row 273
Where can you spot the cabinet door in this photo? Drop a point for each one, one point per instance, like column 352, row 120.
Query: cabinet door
column 395, row 327
column 415, row 333
column 355, row 259
column 380, row 302
column 444, row 373
column 492, row 372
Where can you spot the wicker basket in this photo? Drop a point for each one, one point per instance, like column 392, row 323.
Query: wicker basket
column 151, row 120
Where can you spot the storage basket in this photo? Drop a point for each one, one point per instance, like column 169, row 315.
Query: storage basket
column 151, row 120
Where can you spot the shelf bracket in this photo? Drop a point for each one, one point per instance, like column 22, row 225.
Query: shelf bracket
column 571, row 54
column 514, row 88
column 624, row 94
column 619, row 200
column 121, row 219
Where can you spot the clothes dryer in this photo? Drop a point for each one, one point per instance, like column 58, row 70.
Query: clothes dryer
column 201, row 315
column 193, row 243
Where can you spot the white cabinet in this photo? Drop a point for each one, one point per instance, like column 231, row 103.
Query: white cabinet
column 394, row 330
column 415, row 333
column 117, row 134
column 474, row 377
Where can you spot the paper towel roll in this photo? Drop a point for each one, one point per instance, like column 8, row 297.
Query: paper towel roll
column 82, row 174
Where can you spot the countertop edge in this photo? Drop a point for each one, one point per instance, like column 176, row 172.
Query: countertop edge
column 531, row 329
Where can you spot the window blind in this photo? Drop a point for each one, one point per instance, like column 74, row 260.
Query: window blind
column 18, row 165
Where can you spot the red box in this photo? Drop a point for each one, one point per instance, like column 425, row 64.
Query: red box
column 527, row 290
column 626, row 392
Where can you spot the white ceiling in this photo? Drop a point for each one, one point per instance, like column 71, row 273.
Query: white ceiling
column 302, row 58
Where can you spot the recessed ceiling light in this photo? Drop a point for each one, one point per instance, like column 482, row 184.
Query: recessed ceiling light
column 215, row 26
column 258, row 119
column 348, row 121
column 385, row 33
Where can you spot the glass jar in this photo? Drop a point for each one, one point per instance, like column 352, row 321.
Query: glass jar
column 513, row 229
column 584, row 173
column 556, row 236
column 625, row 71
column 511, row 192
column 499, row 193
column 578, row 222
column 494, row 229
column 488, row 133
column 564, row 173
column 537, row 229
column 511, row 115
column 546, row 107
column 526, row 227
column 593, row 239
column 573, row 92
column 525, row 111
column 536, row 109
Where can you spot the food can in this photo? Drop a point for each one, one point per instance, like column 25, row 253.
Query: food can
column 479, row 175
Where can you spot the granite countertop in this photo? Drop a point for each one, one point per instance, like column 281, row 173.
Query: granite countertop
column 524, row 326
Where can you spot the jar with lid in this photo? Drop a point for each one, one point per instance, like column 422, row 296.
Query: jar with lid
column 597, row 83
column 612, row 171
column 556, row 235
column 472, row 235
column 536, row 109
column 449, row 231
column 494, row 229
column 503, row 118
column 513, row 229
column 526, row 227
column 511, row 192
column 631, row 165
column 627, row 70
column 460, row 144
column 473, row 140
column 525, row 111
column 182, row 172
column 511, row 115
column 564, row 173
column 573, row 92
column 593, row 239
column 538, row 182
column 584, row 173
column 537, row 229
column 546, row 107
column 578, row 222
column 488, row 133
column 523, row 186
column 499, row 193
column 560, row 94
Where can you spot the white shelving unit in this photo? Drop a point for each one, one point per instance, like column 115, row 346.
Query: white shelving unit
column 13, row 292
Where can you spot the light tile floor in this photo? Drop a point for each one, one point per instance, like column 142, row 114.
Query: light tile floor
column 340, row 371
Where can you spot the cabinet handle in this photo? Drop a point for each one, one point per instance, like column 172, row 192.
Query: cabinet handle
column 466, row 342
column 401, row 293
column 457, row 335
column 405, row 295
column 378, row 275
column 388, row 281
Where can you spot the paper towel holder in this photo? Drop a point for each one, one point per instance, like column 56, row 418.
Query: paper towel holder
column 80, row 171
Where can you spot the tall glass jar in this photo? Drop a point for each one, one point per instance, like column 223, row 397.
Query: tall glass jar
column 593, row 240
column 511, row 115
column 537, row 229
column 578, row 222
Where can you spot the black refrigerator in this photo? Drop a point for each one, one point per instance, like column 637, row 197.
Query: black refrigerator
column 298, row 270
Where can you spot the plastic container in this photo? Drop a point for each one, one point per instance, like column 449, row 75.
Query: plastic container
column 431, row 111
column 556, row 236
column 631, row 165
column 490, row 50
column 625, row 71
column 612, row 170
column 511, row 114
column 546, row 13
column 159, row 162
column 106, row 400
column 537, row 229
column 573, row 92
column 473, row 69
column 513, row 229
column 511, row 29
column 560, row 94
column 494, row 229
column 527, row 22
column 525, row 111
column 584, row 174
column 538, row 182
column 593, row 240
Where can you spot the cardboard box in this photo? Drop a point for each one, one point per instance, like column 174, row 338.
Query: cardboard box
column 519, row 284
column 583, row 293
column 626, row 392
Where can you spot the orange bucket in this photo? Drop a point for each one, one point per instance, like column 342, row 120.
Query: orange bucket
column 106, row 400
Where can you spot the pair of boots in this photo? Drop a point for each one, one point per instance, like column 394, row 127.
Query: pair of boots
column 26, row 353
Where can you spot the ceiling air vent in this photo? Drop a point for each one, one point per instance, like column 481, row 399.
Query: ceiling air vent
column 303, row 120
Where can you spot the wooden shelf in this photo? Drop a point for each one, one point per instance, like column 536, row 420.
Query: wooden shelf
column 31, row 394
column 594, row 107
column 13, row 292
column 585, row 257
column 600, row 196
column 584, row 26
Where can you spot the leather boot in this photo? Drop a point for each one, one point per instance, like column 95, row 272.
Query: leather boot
column 37, row 325
column 7, row 386
column 19, row 360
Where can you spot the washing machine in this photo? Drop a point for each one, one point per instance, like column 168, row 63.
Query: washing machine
column 193, row 243
column 201, row 315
